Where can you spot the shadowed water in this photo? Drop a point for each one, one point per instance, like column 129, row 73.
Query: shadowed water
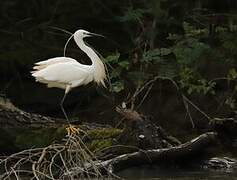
column 156, row 173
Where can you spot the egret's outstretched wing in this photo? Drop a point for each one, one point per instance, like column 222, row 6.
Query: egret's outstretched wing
column 43, row 64
column 71, row 73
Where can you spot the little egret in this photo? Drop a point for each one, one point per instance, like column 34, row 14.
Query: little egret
column 66, row 73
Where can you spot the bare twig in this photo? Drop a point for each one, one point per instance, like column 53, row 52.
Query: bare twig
column 71, row 159
column 148, row 85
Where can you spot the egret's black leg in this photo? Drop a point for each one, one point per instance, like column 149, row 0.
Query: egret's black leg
column 70, row 129
column 62, row 108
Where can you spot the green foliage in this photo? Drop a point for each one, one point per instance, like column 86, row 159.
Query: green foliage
column 191, row 31
column 232, row 75
column 118, row 67
column 117, row 86
column 182, row 58
column 189, row 51
column 157, row 10
column 39, row 137
column 155, row 55
column 112, row 59
column 167, row 40
column 231, row 102
column 97, row 145
column 228, row 46
column 104, row 133
column 102, row 138
column 132, row 15
column 192, row 84
column 165, row 64
column 138, row 77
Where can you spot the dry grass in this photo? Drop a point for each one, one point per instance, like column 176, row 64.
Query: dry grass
column 68, row 160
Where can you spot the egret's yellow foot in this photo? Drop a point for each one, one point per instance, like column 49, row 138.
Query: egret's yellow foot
column 72, row 130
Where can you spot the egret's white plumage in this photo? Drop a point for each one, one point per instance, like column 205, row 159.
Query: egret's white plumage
column 63, row 72
column 66, row 73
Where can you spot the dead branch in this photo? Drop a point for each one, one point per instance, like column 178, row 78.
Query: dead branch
column 52, row 162
column 160, row 156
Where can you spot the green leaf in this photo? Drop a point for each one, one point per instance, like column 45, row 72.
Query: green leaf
column 155, row 55
column 124, row 64
column 165, row 51
column 117, row 86
column 232, row 74
column 191, row 31
column 151, row 55
column 116, row 72
column 113, row 58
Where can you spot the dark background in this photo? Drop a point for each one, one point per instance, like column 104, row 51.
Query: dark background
column 28, row 31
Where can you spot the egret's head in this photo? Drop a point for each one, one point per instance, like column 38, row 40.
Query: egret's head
column 78, row 36
column 83, row 33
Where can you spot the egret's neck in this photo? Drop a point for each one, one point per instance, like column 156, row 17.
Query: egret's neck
column 97, row 66
column 89, row 51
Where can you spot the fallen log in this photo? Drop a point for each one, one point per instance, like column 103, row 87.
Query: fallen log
column 154, row 144
column 159, row 156
column 22, row 130
column 12, row 117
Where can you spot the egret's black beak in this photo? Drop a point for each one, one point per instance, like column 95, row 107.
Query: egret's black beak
column 94, row 34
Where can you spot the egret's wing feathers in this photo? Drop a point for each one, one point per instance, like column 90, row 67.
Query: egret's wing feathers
column 56, row 60
column 70, row 73
column 43, row 64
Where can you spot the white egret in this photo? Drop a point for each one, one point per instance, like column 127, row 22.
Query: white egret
column 66, row 73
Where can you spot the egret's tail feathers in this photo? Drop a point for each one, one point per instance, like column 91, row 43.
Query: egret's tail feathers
column 103, row 83
column 39, row 67
column 49, row 84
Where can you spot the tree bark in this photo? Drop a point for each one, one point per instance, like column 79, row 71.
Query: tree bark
column 160, row 156
column 12, row 117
